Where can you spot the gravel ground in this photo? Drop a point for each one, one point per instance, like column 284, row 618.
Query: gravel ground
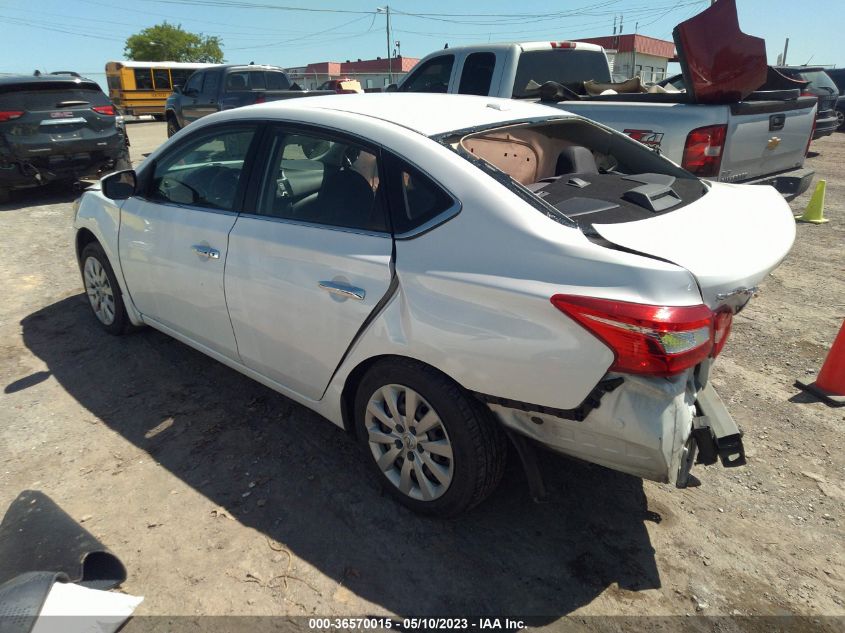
column 222, row 497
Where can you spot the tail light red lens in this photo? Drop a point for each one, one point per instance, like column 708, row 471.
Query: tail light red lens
column 10, row 115
column 646, row 339
column 703, row 150
column 260, row 98
column 722, row 322
column 107, row 109
column 563, row 45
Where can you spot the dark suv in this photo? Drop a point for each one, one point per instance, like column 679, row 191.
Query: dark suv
column 821, row 86
column 838, row 76
column 57, row 128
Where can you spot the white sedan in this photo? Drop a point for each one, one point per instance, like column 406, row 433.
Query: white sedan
column 444, row 276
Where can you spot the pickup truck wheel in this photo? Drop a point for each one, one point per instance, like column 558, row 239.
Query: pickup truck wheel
column 102, row 289
column 434, row 447
column 840, row 116
column 172, row 125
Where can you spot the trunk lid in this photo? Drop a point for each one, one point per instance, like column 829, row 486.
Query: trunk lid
column 729, row 239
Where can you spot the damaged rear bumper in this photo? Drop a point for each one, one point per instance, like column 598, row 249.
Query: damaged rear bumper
column 654, row 428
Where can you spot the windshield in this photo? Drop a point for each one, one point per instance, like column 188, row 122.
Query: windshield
column 569, row 67
column 819, row 79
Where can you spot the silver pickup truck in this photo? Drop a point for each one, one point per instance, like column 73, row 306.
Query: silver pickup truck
column 756, row 137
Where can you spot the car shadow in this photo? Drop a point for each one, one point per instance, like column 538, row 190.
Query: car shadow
column 53, row 193
column 311, row 489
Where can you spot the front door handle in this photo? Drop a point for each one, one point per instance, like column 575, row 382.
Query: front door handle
column 206, row 251
column 343, row 290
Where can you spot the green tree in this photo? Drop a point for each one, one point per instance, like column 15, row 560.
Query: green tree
column 166, row 42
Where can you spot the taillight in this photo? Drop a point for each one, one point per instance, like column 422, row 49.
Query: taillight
column 260, row 98
column 10, row 115
column 107, row 109
column 563, row 45
column 703, row 150
column 722, row 322
column 645, row 339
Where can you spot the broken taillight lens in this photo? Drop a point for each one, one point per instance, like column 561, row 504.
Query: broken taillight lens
column 722, row 322
column 104, row 109
column 645, row 339
column 703, row 150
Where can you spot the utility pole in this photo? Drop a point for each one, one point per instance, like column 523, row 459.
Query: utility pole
column 634, row 51
column 614, row 25
column 386, row 10
column 785, row 48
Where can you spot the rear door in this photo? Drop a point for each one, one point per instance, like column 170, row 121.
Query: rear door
column 59, row 120
column 174, row 236
column 307, row 267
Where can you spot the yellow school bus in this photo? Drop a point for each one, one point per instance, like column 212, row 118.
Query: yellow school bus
column 143, row 87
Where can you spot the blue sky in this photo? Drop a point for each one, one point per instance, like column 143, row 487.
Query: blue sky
column 83, row 35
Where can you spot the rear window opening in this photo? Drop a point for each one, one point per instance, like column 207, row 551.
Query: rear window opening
column 567, row 67
column 35, row 97
column 578, row 172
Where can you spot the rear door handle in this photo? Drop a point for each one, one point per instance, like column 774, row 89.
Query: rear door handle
column 206, row 251
column 343, row 290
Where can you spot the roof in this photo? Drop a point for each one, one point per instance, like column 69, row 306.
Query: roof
column 502, row 47
column 426, row 113
column 629, row 42
column 59, row 80
column 128, row 64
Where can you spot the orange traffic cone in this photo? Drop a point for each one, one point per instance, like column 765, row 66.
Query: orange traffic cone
column 830, row 383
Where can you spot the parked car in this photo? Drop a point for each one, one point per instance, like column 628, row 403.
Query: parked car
column 342, row 86
column 436, row 272
column 838, row 77
column 821, row 86
column 226, row 87
column 57, row 128
column 722, row 129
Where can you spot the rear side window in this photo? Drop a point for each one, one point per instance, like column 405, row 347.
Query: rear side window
column 432, row 76
column 237, row 81
column 143, row 79
column 277, row 81
column 477, row 74
column 421, row 200
column 569, row 67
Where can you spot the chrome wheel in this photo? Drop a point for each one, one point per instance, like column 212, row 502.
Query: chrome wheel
column 99, row 290
column 409, row 442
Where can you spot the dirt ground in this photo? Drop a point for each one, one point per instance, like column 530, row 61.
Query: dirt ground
column 222, row 497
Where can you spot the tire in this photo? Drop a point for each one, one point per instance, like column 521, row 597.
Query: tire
column 103, row 291
column 172, row 125
column 158, row 117
column 4, row 195
column 461, row 441
column 840, row 116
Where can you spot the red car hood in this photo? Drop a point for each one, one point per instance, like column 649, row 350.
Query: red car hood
column 720, row 63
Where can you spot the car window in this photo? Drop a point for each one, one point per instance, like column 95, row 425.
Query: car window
column 180, row 76
column 477, row 74
column 421, row 200
column 143, row 79
column 204, row 171
column 257, row 80
column 322, row 180
column 194, row 83
column 277, row 81
column 569, row 67
column 237, row 81
column 212, row 82
column 820, row 80
column 50, row 96
column 161, row 78
column 432, row 76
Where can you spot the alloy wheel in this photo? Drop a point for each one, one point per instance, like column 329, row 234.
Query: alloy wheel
column 99, row 290
column 409, row 442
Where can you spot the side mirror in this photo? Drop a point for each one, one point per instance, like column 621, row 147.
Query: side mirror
column 391, row 88
column 119, row 185
column 177, row 89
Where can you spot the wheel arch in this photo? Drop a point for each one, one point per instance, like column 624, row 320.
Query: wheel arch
column 84, row 237
column 353, row 379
